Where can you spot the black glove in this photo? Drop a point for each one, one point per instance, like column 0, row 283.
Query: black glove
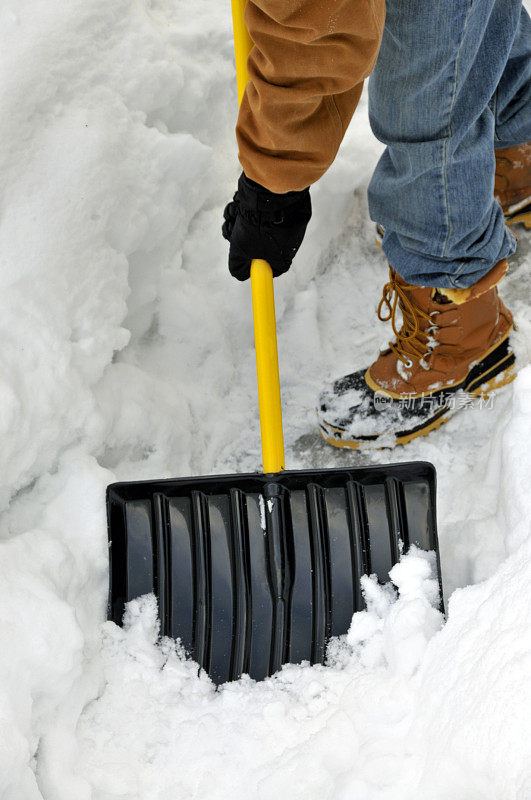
column 262, row 224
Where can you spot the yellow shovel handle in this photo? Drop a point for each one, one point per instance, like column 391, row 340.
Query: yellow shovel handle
column 265, row 330
column 242, row 45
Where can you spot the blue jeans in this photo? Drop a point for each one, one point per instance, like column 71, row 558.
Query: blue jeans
column 452, row 82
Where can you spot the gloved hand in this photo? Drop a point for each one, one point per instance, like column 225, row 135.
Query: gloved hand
column 262, row 224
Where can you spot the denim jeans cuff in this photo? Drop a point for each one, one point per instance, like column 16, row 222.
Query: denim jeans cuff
column 424, row 270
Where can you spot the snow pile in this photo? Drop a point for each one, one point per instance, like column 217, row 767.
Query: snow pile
column 126, row 352
column 396, row 632
column 101, row 177
column 474, row 720
column 100, row 180
column 53, row 578
column 300, row 732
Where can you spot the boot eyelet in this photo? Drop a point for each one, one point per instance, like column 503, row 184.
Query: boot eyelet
column 408, row 364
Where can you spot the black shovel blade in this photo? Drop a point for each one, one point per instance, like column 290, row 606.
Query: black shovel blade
column 253, row 571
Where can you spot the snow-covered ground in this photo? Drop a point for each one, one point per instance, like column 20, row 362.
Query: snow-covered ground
column 126, row 352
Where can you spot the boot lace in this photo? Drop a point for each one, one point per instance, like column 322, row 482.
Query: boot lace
column 411, row 341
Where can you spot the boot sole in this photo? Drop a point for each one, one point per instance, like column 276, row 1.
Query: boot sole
column 481, row 381
column 523, row 217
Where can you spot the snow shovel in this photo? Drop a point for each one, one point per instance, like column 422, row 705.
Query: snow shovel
column 253, row 571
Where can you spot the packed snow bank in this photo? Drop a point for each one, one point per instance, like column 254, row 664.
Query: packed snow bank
column 474, row 683
column 126, row 351
column 101, row 177
column 301, row 733
column 100, row 180
column 53, row 578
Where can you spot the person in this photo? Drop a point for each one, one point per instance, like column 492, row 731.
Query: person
column 450, row 96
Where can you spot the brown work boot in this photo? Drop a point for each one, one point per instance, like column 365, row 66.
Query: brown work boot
column 453, row 345
column 512, row 185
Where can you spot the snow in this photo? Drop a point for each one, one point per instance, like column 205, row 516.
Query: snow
column 217, row 744
column 403, row 370
column 126, row 352
column 261, row 506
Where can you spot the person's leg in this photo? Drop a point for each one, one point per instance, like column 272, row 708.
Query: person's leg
column 512, row 100
column 430, row 101
column 511, row 105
